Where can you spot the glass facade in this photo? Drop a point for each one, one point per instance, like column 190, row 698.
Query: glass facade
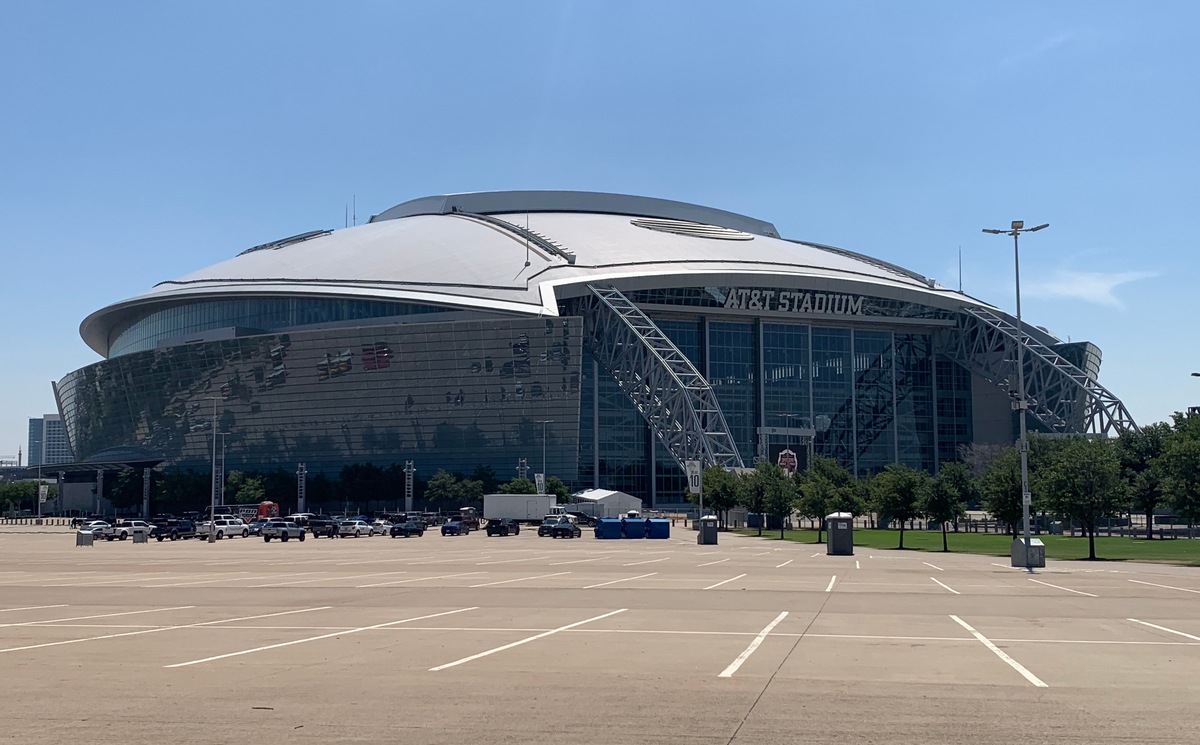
column 450, row 395
column 457, row 394
column 260, row 314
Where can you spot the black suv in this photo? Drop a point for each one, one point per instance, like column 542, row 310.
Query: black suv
column 322, row 525
column 502, row 526
column 173, row 529
column 407, row 530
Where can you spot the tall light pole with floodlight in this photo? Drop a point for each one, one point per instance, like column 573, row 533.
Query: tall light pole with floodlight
column 212, row 510
column 1015, row 229
column 544, row 422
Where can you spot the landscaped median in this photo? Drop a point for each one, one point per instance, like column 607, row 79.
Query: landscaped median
column 1178, row 551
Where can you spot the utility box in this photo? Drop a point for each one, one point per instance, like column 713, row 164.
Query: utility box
column 708, row 530
column 1037, row 553
column 839, row 534
column 141, row 537
column 83, row 538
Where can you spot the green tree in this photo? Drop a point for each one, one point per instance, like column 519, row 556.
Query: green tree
column 244, row 488
column 125, row 492
column 778, row 491
column 948, row 495
column 442, row 489
column 720, row 489
column 556, row 486
column 1140, row 452
column 518, row 486
column 1083, row 481
column 824, row 488
column 485, row 475
column 898, row 493
column 1000, row 487
column 751, row 495
column 1181, row 476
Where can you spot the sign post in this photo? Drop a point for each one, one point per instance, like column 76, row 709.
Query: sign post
column 301, row 488
column 695, row 480
column 540, row 480
column 409, row 470
column 146, row 493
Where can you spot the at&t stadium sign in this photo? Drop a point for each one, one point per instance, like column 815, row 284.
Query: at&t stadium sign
column 793, row 301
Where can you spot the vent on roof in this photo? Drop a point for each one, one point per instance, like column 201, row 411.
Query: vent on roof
column 692, row 229
column 286, row 241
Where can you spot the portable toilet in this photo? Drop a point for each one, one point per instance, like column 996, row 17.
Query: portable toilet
column 708, row 530
column 839, row 534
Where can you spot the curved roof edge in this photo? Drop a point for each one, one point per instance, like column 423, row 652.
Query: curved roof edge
column 510, row 202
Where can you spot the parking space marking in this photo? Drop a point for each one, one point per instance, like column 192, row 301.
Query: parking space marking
column 831, row 581
column 724, row 582
column 1164, row 628
column 32, row 607
column 1000, row 653
column 519, row 579
column 710, row 563
column 1168, row 587
column 101, row 615
column 124, row 578
column 856, row 565
column 948, row 587
column 926, row 563
column 156, row 630
column 626, row 579
column 294, row 642
column 745, row 655
column 818, row 554
column 225, row 578
column 335, row 578
column 526, row 640
column 415, row 579
column 576, row 561
column 647, row 561
column 510, row 561
column 1056, row 587
column 789, row 561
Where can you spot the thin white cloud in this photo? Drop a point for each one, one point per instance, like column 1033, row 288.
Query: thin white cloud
column 1091, row 287
column 1045, row 45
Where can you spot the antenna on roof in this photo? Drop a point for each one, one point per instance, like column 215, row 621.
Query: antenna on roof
column 527, row 264
column 354, row 197
column 347, row 218
column 960, row 268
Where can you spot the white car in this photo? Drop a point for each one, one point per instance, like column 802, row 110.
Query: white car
column 381, row 527
column 355, row 529
column 225, row 527
column 95, row 527
column 123, row 530
column 282, row 529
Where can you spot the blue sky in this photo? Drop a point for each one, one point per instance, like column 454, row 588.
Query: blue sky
column 145, row 140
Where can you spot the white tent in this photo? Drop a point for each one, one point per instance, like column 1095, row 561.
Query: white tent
column 613, row 503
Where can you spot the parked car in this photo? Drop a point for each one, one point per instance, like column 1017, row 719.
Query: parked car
column 565, row 529
column 407, row 530
column 382, row 527
column 282, row 529
column 547, row 525
column 126, row 528
column 502, row 526
column 583, row 518
column 454, row 527
column 224, row 527
column 173, row 529
column 355, row 529
column 95, row 527
column 255, row 526
column 322, row 525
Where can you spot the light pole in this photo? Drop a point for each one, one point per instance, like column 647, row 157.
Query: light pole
column 544, row 422
column 221, row 492
column 212, row 510
column 1015, row 229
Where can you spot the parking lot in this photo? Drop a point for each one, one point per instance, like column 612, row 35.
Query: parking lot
column 526, row 639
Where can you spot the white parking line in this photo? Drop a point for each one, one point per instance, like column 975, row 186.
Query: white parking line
column 745, row 655
column 510, row 561
column 226, row 578
column 157, row 629
column 831, row 581
column 648, row 561
column 102, row 615
column 789, row 561
column 1000, row 653
column 32, row 607
column 518, row 579
column 856, row 566
column 626, row 579
column 415, row 579
column 948, row 587
column 710, row 563
column 815, row 555
column 576, row 561
column 336, row 578
column 1168, row 587
column 724, row 582
column 926, row 563
column 526, row 640
column 1056, row 587
column 130, row 578
column 345, row 632
column 1164, row 628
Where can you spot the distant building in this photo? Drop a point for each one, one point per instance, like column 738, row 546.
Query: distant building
column 48, row 441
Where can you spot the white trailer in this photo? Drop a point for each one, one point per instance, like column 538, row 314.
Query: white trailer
column 524, row 508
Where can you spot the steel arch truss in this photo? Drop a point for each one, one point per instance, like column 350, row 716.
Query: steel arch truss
column 1059, row 395
column 667, row 389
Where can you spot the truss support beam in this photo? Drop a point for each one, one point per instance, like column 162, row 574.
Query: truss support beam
column 667, row 389
column 1060, row 396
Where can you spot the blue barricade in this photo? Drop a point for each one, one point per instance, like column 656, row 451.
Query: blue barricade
column 608, row 527
column 635, row 528
column 658, row 528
